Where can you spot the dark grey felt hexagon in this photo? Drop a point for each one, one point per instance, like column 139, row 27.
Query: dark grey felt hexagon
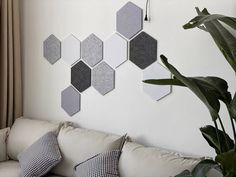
column 129, row 20
column 52, row 49
column 70, row 100
column 81, row 76
column 143, row 50
column 103, row 78
column 92, row 50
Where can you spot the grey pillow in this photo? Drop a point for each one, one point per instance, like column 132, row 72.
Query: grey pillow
column 40, row 157
column 101, row 165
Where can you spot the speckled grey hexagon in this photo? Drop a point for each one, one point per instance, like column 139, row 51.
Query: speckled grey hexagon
column 92, row 50
column 129, row 20
column 156, row 71
column 143, row 50
column 70, row 100
column 81, row 76
column 103, row 78
column 52, row 49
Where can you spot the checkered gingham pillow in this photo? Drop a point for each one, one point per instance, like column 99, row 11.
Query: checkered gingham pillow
column 40, row 157
column 101, row 165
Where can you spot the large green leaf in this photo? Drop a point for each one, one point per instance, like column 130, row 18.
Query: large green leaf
column 185, row 173
column 228, row 162
column 225, row 41
column 209, row 133
column 204, row 167
column 201, row 169
column 201, row 19
column 233, row 107
column 208, row 98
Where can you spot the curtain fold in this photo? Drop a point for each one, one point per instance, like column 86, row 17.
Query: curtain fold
column 10, row 63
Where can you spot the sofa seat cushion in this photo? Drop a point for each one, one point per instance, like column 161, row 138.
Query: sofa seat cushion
column 25, row 132
column 139, row 161
column 10, row 169
column 77, row 145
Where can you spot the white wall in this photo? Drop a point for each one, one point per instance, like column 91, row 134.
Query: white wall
column 172, row 122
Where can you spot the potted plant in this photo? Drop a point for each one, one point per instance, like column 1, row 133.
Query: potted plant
column 212, row 91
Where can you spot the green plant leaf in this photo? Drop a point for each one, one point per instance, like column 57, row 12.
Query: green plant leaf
column 233, row 107
column 164, row 82
column 228, row 162
column 201, row 19
column 213, row 85
column 217, row 85
column 208, row 98
column 225, row 41
column 209, row 133
column 185, row 173
column 203, row 167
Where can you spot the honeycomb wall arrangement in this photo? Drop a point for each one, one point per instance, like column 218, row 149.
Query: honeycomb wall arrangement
column 94, row 62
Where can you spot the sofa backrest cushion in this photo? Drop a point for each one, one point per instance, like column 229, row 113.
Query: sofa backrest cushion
column 77, row 145
column 3, row 145
column 139, row 161
column 25, row 132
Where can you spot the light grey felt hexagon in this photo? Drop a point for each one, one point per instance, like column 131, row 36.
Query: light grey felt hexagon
column 156, row 71
column 70, row 100
column 103, row 78
column 92, row 50
column 143, row 50
column 129, row 20
column 70, row 49
column 52, row 49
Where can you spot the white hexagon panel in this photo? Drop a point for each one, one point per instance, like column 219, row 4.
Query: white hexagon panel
column 70, row 49
column 156, row 71
column 115, row 50
column 103, row 78
column 129, row 20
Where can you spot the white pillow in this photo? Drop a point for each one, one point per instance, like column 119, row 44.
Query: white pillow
column 3, row 146
column 25, row 132
column 139, row 161
column 77, row 145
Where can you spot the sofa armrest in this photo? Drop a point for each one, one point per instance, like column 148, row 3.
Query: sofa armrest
column 3, row 146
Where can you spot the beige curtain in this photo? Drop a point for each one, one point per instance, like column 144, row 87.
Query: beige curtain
column 10, row 63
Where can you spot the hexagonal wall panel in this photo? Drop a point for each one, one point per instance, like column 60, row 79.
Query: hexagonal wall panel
column 103, row 78
column 143, row 50
column 81, row 76
column 129, row 20
column 156, row 71
column 52, row 49
column 70, row 100
column 92, row 50
column 115, row 50
column 70, row 49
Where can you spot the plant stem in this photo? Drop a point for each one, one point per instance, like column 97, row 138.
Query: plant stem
column 233, row 127
column 217, row 133
column 223, row 129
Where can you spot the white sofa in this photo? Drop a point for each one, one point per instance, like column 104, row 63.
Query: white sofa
column 77, row 144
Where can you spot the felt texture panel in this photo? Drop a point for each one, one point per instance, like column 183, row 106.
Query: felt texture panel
column 103, row 78
column 156, row 71
column 143, row 50
column 129, row 20
column 115, row 50
column 70, row 100
column 81, row 76
column 92, row 50
column 52, row 49
column 70, row 49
